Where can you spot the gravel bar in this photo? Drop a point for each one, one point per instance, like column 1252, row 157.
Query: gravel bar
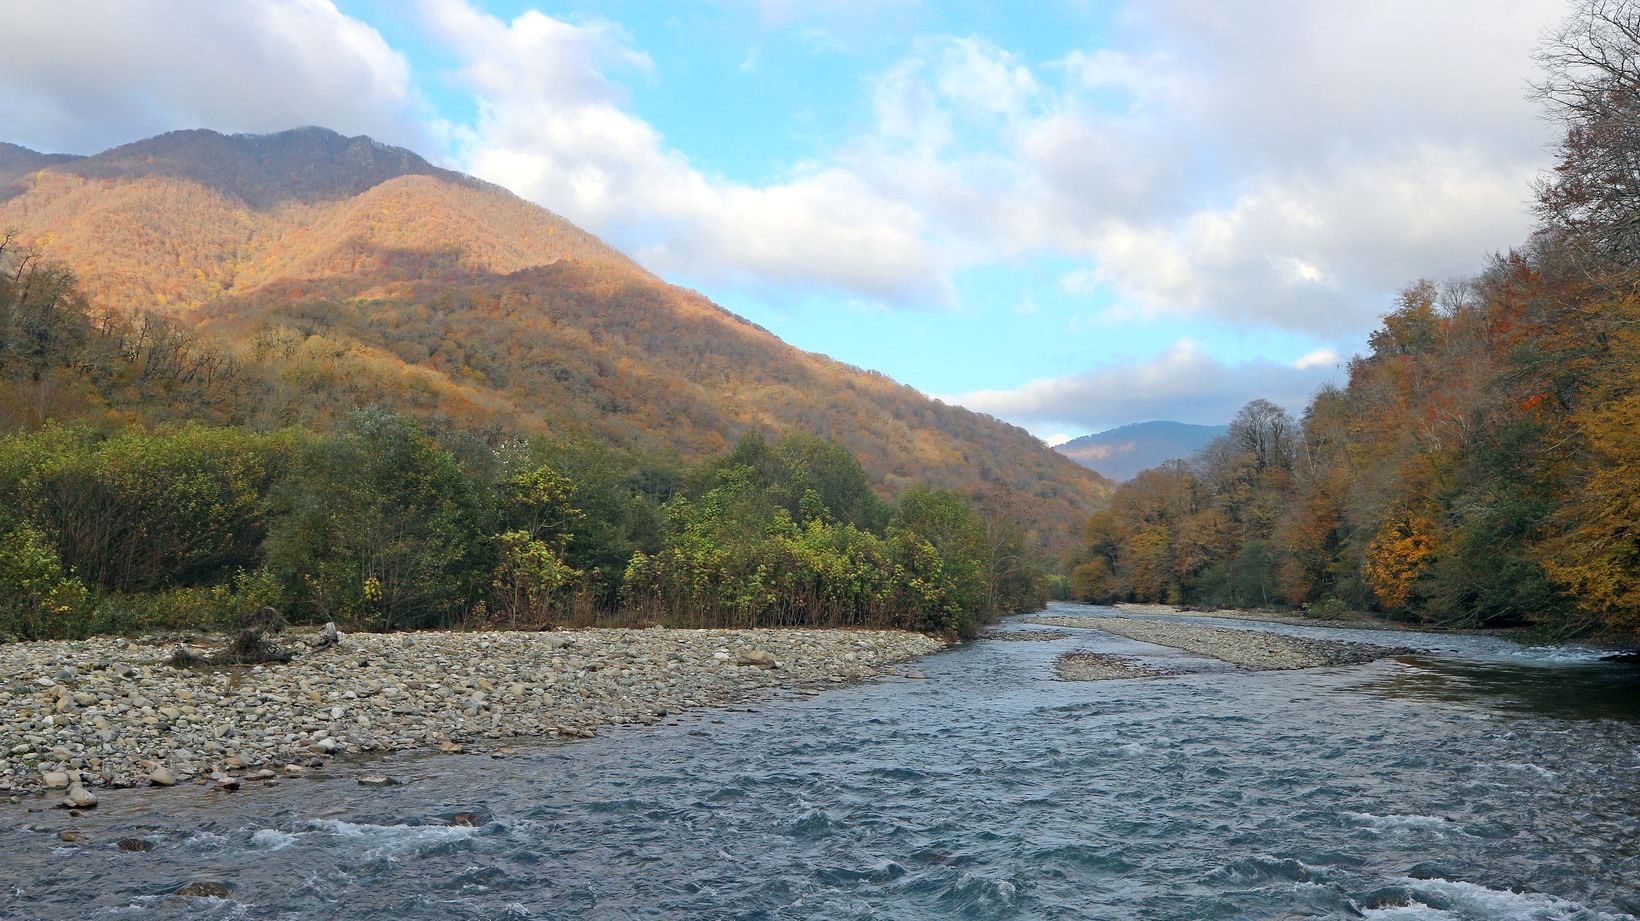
column 1099, row 666
column 1255, row 649
column 75, row 715
column 1026, row 636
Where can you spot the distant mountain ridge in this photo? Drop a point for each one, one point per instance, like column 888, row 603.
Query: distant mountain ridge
column 360, row 274
column 1122, row 452
column 17, row 162
column 263, row 170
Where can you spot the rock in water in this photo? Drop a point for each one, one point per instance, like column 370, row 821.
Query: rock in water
column 205, row 890
column 762, row 658
column 56, row 780
column 470, row 819
column 162, row 777
column 379, row 781
column 79, row 797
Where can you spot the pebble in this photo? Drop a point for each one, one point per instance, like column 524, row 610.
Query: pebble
column 129, row 711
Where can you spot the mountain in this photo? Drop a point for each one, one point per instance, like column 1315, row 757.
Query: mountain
column 17, row 162
column 1122, row 452
column 349, row 273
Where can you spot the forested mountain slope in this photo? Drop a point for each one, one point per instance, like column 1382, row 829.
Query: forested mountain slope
column 340, row 272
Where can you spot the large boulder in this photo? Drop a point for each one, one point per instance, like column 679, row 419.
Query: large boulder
column 79, row 797
column 760, row 658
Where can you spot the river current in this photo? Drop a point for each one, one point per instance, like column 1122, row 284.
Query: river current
column 1472, row 779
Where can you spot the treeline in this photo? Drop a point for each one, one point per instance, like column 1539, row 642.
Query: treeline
column 1481, row 466
column 380, row 526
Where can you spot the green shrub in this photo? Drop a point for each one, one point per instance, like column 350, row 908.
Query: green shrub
column 39, row 599
column 380, row 528
column 1326, row 609
column 142, row 511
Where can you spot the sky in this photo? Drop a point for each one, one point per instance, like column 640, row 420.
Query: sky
column 1069, row 214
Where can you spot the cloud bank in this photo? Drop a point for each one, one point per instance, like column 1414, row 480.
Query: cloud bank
column 1184, row 384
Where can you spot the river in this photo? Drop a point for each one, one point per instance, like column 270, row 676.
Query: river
column 1474, row 779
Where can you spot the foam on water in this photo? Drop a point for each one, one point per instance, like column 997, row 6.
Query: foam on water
column 1415, row 911
column 1396, row 822
column 393, row 839
column 1556, row 655
column 272, row 839
column 1472, row 901
column 1529, row 768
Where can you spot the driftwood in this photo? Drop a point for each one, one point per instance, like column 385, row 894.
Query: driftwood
column 248, row 645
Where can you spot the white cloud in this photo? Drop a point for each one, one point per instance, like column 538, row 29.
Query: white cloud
column 1319, row 358
column 1184, row 383
column 553, row 128
column 81, row 77
column 1320, row 251
column 1281, row 163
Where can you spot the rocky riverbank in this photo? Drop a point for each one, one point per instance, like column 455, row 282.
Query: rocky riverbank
column 1250, row 648
column 114, row 712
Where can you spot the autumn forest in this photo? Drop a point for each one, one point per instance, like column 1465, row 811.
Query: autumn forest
column 1478, row 466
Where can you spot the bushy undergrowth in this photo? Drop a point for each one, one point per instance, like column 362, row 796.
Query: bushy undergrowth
column 382, row 525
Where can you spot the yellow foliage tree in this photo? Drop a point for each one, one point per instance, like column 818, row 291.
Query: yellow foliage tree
column 1398, row 555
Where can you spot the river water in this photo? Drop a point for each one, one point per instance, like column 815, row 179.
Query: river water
column 1475, row 779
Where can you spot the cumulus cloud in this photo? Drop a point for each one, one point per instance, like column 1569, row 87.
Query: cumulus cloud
column 81, row 77
column 553, row 127
column 1184, row 383
column 1320, row 251
column 1279, row 163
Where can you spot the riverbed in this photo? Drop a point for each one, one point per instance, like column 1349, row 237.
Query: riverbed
column 1469, row 778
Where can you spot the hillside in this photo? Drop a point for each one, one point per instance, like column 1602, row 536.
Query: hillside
column 1122, row 452
column 342, row 272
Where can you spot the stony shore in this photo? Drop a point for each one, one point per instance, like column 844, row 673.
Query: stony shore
column 1250, row 648
column 113, row 712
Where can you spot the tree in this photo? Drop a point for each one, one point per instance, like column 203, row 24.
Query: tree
column 1591, row 83
column 380, row 527
column 1265, row 432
